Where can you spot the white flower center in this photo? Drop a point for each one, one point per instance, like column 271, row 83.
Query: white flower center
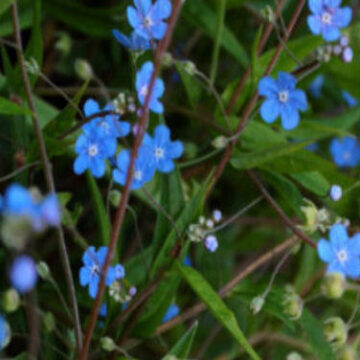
column 148, row 22
column 342, row 256
column 326, row 18
column 93, row 150
column 284, row 96
column 144, row 90
column 347, row 155
column 94, row 269
column 138, row 175
column 159, row 153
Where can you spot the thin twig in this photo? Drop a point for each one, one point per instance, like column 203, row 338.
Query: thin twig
column 47, row 171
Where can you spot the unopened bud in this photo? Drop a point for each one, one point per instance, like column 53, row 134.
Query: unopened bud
column 268, row 14
column 107, row 344
column 11, row 300
column 217, row 215
column 83, row 69
column 344, row 41
column 294, row 356
column 189, row 67
column 292, row 304
column 219, row 142
column 257, row 304
column 211, row 243
column 167, row 60
column 49, row 322
column 43, row 270
column 335, row 332
column 333, row 285
column 347, row 353
column 64, row 43
column 115, row 197
column 348, row 55
column 335, row 192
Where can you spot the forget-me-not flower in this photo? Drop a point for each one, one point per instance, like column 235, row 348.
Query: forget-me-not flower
column 90, row 272
column 328, row 18
column 282, row 99
column 143, row 171
column 345, row 151
column 110, row 123
column 143, row 78
column 171, row 312
column 148, row 19
column 341, row 252
column 163, row 149
column 23, row 274
column 134, row 42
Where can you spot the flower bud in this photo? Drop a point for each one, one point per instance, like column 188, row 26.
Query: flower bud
column 256, row 304
column 43, row 270
column 189, row 67
column 209, row 223
column 48, row 322
column 64, row 43
column 294, row 356
column 333, row 285
column 167, row 60
column 344, row 41
column 347, row 353
column 211, row 243
column 335, row 192
column 348, row 55
column 335, row 332
column 11, row 300
column 83, row 69
column 337, row 49
column 219, row 142
column 292, row 304
column 268, row 14
column 107, row 344
column 115, row 197
column 217, row 215
column 15, row 232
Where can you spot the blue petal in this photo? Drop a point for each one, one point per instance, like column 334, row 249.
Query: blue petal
column 110, row 276
column 85, row 274
column 353, row 267
column 342, row 17
column 336, row 267
column 157, row 107
column 166, row 166
column 332, row 3
column 161, row 10
column 175, row 149
column 354, row 245
column 159, row 30
column 81, row 164
column 298, row 99
column 159, row 88
column 101, row 255
column 89, row 256
column 315, row 24
column 121, row 38
column 289, row 117
column 268, row 87
column 316, row 6
column 331, row 33
column 325, row 251
column 91, row 107
column 162, row 134
column 97, row 167
column 143, row 5
column 286, row 81
column 123, row 128
column 81, row 144
column 119, row 177
column 338, row 236
column 93, row 286
column 133, row 17
column 270, row 110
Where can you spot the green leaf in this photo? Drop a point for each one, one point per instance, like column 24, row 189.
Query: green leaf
column 256, row 158
column 7, row 107
column 313, row 181
column 102, row 220
column 200, row 15
column 183, row 347
column 314, row 330
column 4, row 5
column 215, row 305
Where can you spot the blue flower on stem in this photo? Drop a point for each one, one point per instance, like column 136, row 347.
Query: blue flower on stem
column 110, row 124
column 4, row 333
column 345, row 152
column 147, row 19
column 119, row 271
column 134, row 42
column 23, row 274
column 163, row 149
column 93, row 148
column 282, row 99
column 90, row 273
column 341, row 253
column 144, row 167
column 171, row 312
column 328, row 18
column 143, row 78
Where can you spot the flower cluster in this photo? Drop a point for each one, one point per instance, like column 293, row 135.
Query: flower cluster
column 282, row 99
column 203, row 231
column 345, row 151
column 341, row 252
column 90, row 272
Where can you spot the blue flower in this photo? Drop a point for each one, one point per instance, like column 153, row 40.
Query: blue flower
column 345, row 152
column 93, row 148
column 171, row 312
column 341, row 253
column 119, row 271
column 41, row 213
column 147, row 19
column 144, row 167
column 328, row 18
column 349, row 99
column 90, row 273
column 134, row 42
column 282, row 99
column 187, row 261
column 23, row 274
column 335, row 192
column 110, row 124
column 316, row 86
column 163, row 149
column 103, row 310
column 143, row 78
column 4, row 333
column 211, row 243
